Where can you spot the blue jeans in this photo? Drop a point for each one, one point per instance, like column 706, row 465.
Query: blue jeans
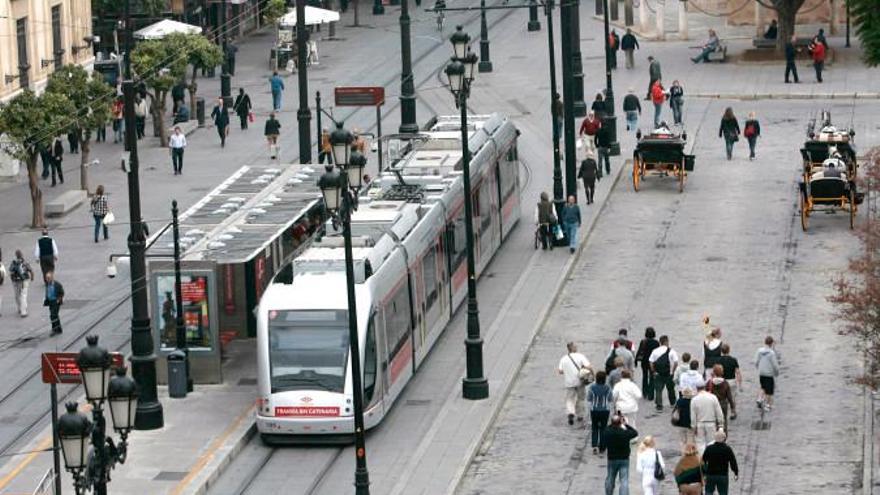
column 598, row 422
column 276, row 100
column 704, row 55
column 658, row 108
column 571, row 231
column 728, row 144
column 676, row 111
column 604, row 155
column 617, row 468
column 632, row 120
column 99, row 222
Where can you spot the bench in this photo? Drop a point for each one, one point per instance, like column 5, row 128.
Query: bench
column 65, row 202
column 761, row 42
column 719, row 54
column 186, row 128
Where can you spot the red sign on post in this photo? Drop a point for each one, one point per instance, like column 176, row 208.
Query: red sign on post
column 359, row 96
column 61, row 367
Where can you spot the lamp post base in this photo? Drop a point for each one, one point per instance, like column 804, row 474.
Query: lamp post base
column 484, row 66
column 378, row 9
column 149, row 417
column 474, row 388
column 614, row 149
column 409, row 128
column 580, row 108
column 534, row 25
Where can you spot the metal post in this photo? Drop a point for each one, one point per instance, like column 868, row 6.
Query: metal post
column 534, row 23
column 318, row 127
column 485, row 65
column 407, row 88
column 379, row 127
column 56, row 445
column 557, row 168
column 378, row 8
column 179, row 324
column 577, row 65
column 847, row 24
column 303, row 114
column 474, row 385
column 225, row 77
column 609, row 119
column 100, row 451
column 568, row 101
column 361, row 475
column 143, row 360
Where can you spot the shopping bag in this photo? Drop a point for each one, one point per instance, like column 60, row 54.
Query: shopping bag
column 251, row 117
column 109, row 218
column 557, row 232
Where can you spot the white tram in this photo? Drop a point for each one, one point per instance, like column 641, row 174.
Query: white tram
column 410, row 269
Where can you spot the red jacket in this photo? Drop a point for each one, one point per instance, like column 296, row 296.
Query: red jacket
column 590, row 127
column 818, row 52
column 658, row 96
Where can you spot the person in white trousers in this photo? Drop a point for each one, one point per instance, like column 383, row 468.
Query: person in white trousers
column 21, row 275
column 569, row 366
column 646, row 461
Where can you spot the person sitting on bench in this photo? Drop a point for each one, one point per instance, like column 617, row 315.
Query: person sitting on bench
column 708, row 47
column 772, row 31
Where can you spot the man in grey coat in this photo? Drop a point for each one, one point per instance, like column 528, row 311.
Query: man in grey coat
column 767, row 363
column 653, row 72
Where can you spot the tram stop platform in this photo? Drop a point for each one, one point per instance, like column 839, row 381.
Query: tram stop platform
column 200, row 434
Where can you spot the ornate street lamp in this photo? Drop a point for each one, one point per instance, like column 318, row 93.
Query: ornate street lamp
column 73, row 431
column 460, row 73
column 340, row 189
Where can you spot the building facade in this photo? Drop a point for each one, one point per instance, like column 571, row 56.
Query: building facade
column 38, row 36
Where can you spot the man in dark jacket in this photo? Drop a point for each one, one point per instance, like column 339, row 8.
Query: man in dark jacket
column 178, row 93
column 271, row 131
column 646, row 347
column 54, row 299
column 654, row 73
column 632, row 108
column 617, row 441
column 220, row 114
column 242, row 107
column 603, row 147
column 589, row 172
column 790, row 53
column 629, row 44
column 57, row 159
column 717, row 459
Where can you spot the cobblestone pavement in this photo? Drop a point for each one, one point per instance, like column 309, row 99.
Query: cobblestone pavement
column 731, row 246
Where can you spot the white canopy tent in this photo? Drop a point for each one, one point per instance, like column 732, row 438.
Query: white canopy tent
column 314, row 16
column 165, row 27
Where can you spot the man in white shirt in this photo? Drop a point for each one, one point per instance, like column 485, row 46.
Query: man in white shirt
column 626, row 396
column 663, row 362
column 177, row 143
column 706, row 417
column 46, row 252
column 569, row 367
column 691, row 379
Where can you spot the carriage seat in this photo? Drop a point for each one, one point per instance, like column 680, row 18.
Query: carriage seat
column 828, row 189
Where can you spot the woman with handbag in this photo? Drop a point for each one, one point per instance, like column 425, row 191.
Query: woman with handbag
column 689, row 472
column 100, row 211
column 729, row 130
column 649, row 463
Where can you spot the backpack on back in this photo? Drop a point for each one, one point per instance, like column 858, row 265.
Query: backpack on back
column 662, row 365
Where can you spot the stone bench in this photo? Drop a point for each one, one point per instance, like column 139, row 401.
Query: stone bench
column 65, row 202
column 719, row 54
column 765, row 43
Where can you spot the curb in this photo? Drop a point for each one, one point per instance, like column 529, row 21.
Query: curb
column 788, row 96
column 242, row 431
column 468, row 458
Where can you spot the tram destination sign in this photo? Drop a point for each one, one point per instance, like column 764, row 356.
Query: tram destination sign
column 61, row 367
column 359, row 96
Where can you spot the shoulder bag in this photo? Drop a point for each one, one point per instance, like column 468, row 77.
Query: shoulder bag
column 584, row 374
column 658, row 468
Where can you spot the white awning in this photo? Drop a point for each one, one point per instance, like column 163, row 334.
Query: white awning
column 314, row 15
column 165, row 27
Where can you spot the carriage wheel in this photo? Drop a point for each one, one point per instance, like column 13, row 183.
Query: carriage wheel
column 637, row 173
column 852, row 209
column 804, row 211
column 682, row 175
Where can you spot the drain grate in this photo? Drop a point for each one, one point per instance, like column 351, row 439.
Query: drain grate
column 247, row 382
column 417, row 402
column 76, row 303
column 170, row 475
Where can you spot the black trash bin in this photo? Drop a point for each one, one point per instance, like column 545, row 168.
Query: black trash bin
column 200, row 111
column 177, row 374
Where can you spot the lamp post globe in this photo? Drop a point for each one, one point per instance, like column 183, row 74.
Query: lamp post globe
column 73, row 431
column 455, row 73
column 122, row 393
column 331, row 189
column 470, row 62
column 355, row 169
column 340, row 144
column 94, row 364
column 460, row 40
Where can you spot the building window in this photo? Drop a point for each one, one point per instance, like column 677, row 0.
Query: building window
column 23, row 62
column 57, row 50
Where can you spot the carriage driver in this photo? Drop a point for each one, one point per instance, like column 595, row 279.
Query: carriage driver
column 833, row 167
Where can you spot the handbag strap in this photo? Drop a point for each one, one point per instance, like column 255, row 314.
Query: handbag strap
column 574, row 362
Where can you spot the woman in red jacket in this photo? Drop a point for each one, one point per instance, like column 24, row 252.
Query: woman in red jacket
column 658, row 96
column 817, row 50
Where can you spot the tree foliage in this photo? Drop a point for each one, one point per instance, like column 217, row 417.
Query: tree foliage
column 201, row 53
column 30, row 123
column 865, row 16
column 160, row 64
column 91, row 97
column 857, row 291
column 274, row 10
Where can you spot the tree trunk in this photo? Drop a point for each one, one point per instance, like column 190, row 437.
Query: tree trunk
column 787, row 13
column 36, row 193
column 85, row 138
column 158, row 110
column 357, row 21
column 193, row 87
column 157, row 123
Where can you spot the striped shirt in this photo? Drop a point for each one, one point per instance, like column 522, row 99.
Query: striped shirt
column 599, row 396
column 99, row 206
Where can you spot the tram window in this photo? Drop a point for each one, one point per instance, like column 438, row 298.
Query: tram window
column 485, row 212
column 308, row 350
column 429, row 269
column 511, row 154
column 398, row 318
column 507, row 174
column 456, row 245
column 370, row 358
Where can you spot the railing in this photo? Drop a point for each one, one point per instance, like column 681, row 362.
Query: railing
column 46, row 486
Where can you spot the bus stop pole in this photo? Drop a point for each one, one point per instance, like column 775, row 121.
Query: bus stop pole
column 379, row 132
column 56, row 448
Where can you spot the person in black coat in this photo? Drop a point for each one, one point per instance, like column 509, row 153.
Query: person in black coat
column 73, row 141
column 54, row 298
column 57, row 158
column 729, row 130
column 603, row 146
column 617, row 440
column 790, row 53
column 629, row 44
column 772, row 31
column 589, row 173
column 718, row 461
column 220, row 115
column 242, row 107
column 646, row 347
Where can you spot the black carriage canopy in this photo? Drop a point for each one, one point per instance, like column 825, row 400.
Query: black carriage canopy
column 816, row 151
column 663, row 148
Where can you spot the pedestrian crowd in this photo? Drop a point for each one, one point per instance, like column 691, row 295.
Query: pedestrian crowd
column 702, row 401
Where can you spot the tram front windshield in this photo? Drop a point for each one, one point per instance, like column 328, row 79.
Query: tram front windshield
column 308, row 350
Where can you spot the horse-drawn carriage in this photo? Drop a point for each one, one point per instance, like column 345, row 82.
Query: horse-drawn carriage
column 662, row 153
column 829, row 172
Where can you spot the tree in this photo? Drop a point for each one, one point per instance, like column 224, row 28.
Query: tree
column 160, row 64
column 201, row 54
column 866, row 18
column 786, row 11
column 91, row 97
column 31, row 123
column 857, row 291
column 275, row 9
